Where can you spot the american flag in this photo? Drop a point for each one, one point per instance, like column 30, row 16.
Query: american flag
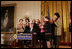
column 49, row 12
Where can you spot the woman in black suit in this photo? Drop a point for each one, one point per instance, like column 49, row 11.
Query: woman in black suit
column 47, row 28
column 26, row 28
column 27, row 25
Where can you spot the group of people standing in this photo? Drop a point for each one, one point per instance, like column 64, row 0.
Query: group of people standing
column 48, row 31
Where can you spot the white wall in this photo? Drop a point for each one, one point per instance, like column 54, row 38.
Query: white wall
column 23, row 8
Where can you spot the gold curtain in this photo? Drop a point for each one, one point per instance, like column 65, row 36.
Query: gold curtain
column 63, row 8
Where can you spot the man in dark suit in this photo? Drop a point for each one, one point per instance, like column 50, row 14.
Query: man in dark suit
column 30, row 30
column 37, row 30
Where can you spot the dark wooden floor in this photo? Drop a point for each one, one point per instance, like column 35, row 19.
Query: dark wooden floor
column 61, row 46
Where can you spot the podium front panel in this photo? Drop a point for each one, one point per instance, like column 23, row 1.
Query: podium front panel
column 25, row 36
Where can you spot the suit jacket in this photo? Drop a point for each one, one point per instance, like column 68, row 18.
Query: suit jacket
column 31, row 31
column 47, row 27
column 58, row 27
column 53, row 25
column 28, row 30
column 36, row 28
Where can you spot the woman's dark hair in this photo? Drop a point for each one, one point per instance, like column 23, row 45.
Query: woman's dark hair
column 47, row 17
column 57, row 14
column 20, row 20
column 27, row 19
